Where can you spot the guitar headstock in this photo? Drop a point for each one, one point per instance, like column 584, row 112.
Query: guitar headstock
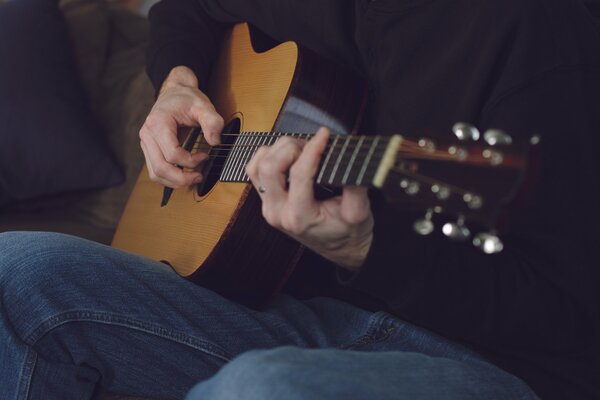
column 466, row 183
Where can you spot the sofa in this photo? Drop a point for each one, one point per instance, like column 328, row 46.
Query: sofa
column 109, row 42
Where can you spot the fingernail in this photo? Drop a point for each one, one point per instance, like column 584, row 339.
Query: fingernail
column 197, row 179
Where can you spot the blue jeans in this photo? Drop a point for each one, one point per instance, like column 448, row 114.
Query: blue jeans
column 78, row 317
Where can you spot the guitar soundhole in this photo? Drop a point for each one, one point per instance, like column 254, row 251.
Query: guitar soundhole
column 212, row 169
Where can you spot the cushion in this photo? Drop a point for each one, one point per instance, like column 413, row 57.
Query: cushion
column 49, row 140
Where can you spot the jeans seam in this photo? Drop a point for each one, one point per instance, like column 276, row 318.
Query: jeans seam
column 127, row 322
column 26, row 374
column 374, row 333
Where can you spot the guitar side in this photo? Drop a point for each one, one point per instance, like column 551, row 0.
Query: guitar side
column 220, row 240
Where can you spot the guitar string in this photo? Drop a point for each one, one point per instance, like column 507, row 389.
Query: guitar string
column 228, row 148
column 408, row 153
column 376, row 156
column 216, row 169
column 365, row 148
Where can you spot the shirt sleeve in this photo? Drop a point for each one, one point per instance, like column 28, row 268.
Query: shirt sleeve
column 188, row 32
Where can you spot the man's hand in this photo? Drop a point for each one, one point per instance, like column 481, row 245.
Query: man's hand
column 180, row 103
column 340, row 229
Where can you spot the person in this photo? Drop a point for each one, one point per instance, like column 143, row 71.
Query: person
column 402, row 316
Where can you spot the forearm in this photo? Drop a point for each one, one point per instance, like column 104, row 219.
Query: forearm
column 188, row 32
column 182, row 34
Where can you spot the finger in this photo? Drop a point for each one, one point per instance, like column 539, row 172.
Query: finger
column 304, row 170
column 355, row 206
column 166, row 173
column 252, row 166
column 163, row 128
column 210, row 121
column 151, row 173
column 273, row 168
column 175, row 154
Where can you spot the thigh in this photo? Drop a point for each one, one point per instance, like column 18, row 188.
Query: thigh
column 293, row 373
column 136, row 323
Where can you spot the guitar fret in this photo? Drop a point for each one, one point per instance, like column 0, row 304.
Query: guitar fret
column 352, row 159
column 250, row 150
column 238, row 156
column 324, row 167
column 249, row 153
column 337, row 162
column 261, row 140
column 274, row 138
column 228, row 164
column 367, row 160
column 351, row 166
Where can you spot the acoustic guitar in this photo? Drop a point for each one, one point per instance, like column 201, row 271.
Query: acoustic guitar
column 214, row 233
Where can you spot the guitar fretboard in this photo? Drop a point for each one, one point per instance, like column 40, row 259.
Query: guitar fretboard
column 347, row 160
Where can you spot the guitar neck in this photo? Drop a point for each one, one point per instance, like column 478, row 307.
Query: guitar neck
column 347, row 160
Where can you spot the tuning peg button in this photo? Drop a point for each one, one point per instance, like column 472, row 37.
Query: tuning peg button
column 495, row 157
column 460, row 153
column 411, row 188
column 440, row 191
column 456, row 230
column 494, row 137
column 473, row 201
column 424, row 226
column 427, row 144
column 489, row 243
column 464, row 131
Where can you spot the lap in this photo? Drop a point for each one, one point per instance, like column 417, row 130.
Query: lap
column 147, row 331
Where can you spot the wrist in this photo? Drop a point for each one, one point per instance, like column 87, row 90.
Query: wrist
column 359, row 255
column 179, row 76
column 353, row 256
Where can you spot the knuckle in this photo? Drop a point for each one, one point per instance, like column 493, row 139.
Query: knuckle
column 250, row 170
column 177, row 184
column 298, row 171
column 267, row 167
column 271, row 216
column 152, row 175
column 153, row 121
column 143, row 134
column 160, row 170
column 172, row 155
column 219, row 122
column 213, row 121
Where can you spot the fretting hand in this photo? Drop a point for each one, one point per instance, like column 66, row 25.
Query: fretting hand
column 340, row 229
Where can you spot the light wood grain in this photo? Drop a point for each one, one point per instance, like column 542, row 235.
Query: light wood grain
column 245, row 84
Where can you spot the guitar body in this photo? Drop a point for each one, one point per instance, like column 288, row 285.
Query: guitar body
column 220, row 239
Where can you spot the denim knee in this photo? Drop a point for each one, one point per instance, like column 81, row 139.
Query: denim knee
column 38, row 275
column 257, row 374
column 25, row 255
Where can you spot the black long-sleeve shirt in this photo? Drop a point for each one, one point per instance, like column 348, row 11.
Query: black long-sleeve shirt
column 524, row 66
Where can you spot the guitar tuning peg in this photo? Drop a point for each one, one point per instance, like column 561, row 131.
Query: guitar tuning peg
column 426, row 144
column 494, row 137
column 489, row 243
column 457, row 230
column 424, row 226
column 535, row 140
column 464, row 131
column 411, row 188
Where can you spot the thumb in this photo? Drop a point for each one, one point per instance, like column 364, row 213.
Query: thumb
column 355, row 206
